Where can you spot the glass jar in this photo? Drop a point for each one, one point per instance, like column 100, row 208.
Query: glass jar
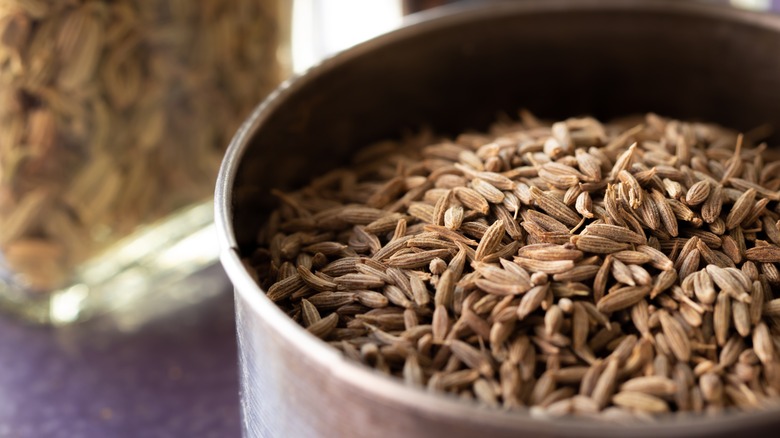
column 114, row 116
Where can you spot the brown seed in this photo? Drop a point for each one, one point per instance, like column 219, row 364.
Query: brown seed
column 502, row 289
column 555, row 207
column 539, row 278
column 283, row 289
column 495, row 179
column 324, row 326
column 756, row 212
column 663, row 281
column 771, row 230
column 605, row 385
column 658, row 259
column 339, row 267
column 577, row 273
column 711, row 387
column 332, row 300
column 315, row 282
column 309, row 314
column 549, row 252
column 472, row 357
column 523, row 193
column 440, row 324
column 506, row 272
column 635, row 193
column 546, row 266
column 756, row 302
column 722, row 317
column 413, row 373
column 690, row 264
column 673, row 188
column 490, row 240
column 442, row 232
column 622, row 298
column 741, row 315
column 590, row 378
column 698, row 193
column 622, row 273
column 766, row 254
column 689, row 246
column 710, row 211
column 545, row 222
column 640, row 401
column 731, row 249
column 665, row 212
column 580, row 326
column 763, row 344
column 440, row 208
column 613, row 210
column 740, row 209
column 499, row 332
column 559, row 175
column 531, row 301
column 623, row 162
column 553, row 319
column 676, row 336
column 421, row 211
column 681, row 211
column 745, row 185
column 772, row 307
column 731, row 351
column 392, row 247
column 650, row 215
column 419, row 290
column 616, row 233
column 632, row 257
column 588, row 164
column 416, row 260
column 445, row 289
column 357, row 281
column 771, row 273
column 584, row 205
column 471, row 199
column 704, row 288
column 487, row 191
column 598, row 245
column 600, row 281
column 453, row 217
column 437, row 266
column 396, row 296
column 640, row 317
column 658, row 386
column 375, row 300
column 750, row 270
column 725, row 280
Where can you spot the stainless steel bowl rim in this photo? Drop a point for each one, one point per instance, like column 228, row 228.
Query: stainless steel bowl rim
column 390, row 388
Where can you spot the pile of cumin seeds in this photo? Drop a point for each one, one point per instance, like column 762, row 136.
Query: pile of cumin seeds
column 99, row 102
column 614, row 271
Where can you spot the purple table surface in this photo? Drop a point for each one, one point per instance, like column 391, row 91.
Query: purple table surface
column 173, row 377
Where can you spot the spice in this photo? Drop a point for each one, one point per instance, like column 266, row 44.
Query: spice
column 619, row 281
column 116, row 113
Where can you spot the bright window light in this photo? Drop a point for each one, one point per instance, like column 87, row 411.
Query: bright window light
column 323, row 27
column 758, row 5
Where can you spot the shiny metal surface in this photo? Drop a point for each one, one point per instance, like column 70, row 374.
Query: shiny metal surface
column 455, row 71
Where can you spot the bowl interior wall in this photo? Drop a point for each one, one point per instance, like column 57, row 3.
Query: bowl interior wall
column 460, row 75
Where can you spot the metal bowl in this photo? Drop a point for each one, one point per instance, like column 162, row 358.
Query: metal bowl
column 456, row 69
